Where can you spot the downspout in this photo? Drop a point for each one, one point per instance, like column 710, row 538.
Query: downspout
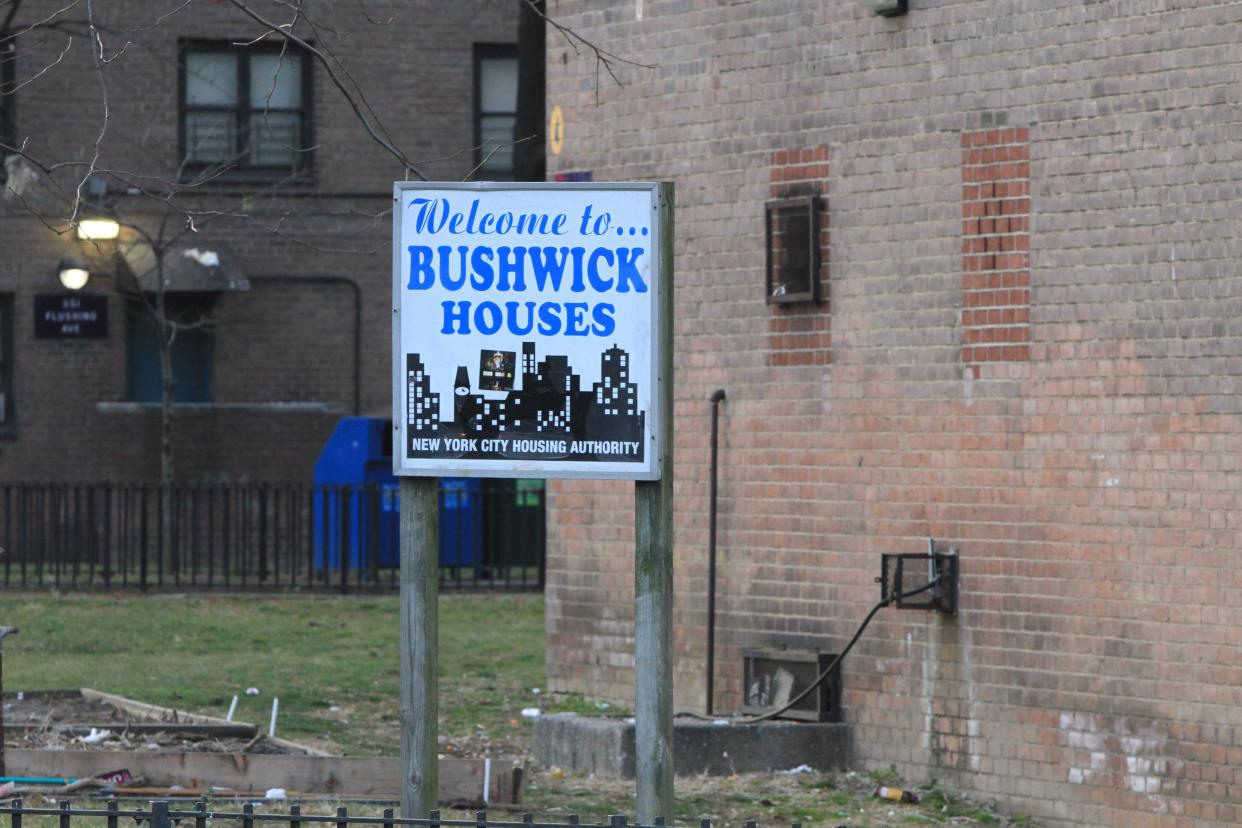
column 716, row 398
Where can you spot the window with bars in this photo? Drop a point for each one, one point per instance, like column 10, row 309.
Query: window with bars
column 792, row 230
column 495, row 110
column 245, row 108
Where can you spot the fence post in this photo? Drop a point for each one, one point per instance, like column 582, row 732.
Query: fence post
column 4, row 631
column 159, row 815
column 263, row 573
column 343, row 524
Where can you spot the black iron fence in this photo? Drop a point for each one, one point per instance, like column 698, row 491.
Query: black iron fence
column 164, row 814
column 261, row 536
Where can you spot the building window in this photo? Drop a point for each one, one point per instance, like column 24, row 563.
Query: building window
column 6, row 362
column 245, row 108
column 8, row 101
column 793, row 250
column 495, row 110
column 191, row 349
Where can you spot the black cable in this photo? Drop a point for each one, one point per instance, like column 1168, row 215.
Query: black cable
column 772, row 714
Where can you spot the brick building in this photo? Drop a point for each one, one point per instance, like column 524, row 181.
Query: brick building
column 1027, row 345
column 289, row 257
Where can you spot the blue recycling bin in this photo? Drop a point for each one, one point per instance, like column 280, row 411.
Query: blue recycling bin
column 356, row 503
column 355, row 500
column 461, row 521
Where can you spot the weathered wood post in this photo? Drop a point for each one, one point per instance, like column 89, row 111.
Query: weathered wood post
column 653, row 573
column 4, row 631
column 420, row 700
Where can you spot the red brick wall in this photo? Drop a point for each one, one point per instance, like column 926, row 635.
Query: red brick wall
column 1089, row 478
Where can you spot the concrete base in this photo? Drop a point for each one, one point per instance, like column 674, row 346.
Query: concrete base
column 605, row 746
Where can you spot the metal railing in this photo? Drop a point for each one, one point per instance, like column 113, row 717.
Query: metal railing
column 261, row 536
column 161, row 814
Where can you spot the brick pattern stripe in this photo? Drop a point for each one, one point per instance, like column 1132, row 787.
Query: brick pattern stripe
column 996, row 235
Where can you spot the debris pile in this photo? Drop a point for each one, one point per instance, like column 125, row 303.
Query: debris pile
column 88, row 720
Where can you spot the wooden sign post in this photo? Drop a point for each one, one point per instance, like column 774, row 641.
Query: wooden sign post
column 420, row 629
column 653, row 577
column 533, row 337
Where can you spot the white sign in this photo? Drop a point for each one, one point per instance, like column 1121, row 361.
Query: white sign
column 525, row 330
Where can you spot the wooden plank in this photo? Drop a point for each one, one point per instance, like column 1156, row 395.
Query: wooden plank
column 153, row 711
column 169, row 714
column 461, row 780
column 234, row 729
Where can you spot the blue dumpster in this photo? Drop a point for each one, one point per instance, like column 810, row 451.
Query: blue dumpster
column 355, row 500
column 357, row 506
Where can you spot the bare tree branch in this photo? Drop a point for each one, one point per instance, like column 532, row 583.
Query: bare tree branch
column 8, row 18
column 98, row 56
column 362, row 7
column 493, row 151
column 17, row 85
column 603, row 57
column 42, row 23
column 365, row 114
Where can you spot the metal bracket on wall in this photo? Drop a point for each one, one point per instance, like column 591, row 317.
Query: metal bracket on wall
column 905, row 578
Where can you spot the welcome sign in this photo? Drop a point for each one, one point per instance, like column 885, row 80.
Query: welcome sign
column 525, row 330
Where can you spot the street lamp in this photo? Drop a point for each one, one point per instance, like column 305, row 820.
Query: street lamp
column 72, row 274
column 98, row 229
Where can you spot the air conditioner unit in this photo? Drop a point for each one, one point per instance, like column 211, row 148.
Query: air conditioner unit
column 771, row 678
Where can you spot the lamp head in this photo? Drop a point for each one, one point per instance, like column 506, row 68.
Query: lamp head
column 98, row 229
column 73, row 275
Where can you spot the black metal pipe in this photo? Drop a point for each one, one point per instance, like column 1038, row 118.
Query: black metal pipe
column 716, row 398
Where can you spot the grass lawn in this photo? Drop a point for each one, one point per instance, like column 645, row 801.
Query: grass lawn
column 334, row 664
column 314, row 653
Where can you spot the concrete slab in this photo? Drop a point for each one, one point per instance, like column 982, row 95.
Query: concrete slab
column 604, row 746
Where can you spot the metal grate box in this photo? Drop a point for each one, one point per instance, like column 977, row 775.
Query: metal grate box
column 770, row 678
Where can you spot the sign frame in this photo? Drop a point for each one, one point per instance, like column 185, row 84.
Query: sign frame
column 654, row 434
column 87, row 316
